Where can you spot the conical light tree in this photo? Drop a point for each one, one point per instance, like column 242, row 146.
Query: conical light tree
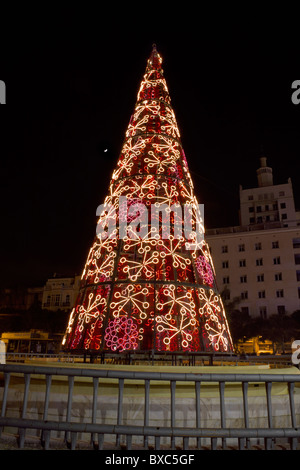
column 149, row 281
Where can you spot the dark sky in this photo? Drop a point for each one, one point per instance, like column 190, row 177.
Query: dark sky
column 72, row 81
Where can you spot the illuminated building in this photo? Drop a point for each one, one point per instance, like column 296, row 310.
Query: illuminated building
column 258, row 262
column 149, row 290
column 60, row 293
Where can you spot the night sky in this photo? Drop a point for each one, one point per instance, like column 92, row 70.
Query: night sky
column 72, row 81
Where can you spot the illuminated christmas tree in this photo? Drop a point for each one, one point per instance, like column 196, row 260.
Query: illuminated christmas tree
column 149, row 282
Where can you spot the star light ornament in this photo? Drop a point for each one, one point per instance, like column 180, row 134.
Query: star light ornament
column 149, row 281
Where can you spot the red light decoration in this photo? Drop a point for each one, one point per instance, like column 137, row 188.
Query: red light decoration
column 149, row 289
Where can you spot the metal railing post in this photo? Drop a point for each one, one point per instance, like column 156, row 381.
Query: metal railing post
column 94, row 406
column 45, row 436
column 222, row 409
column 120, row 408
column 291, row 388
column 198, row 413
column 173, row 389
column 69, row 403
column 146, row 409
column 245, row 386
column 268, row 442
column 24, row 409
column 4, row 399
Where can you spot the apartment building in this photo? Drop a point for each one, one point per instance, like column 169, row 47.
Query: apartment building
column 60, row 293
column 258, row 262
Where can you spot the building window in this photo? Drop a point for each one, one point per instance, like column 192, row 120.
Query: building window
column 279, row 293
column 275, row 245
column 224, row 249
column 258, row 209
column 250, row 198
column 260, row 278
column 276, row 260
column 296, row 242
column 252, row 220
column 226, row 280
column 242, row 247
column 226, row 294
column 259, row 262
column 263, row 312
column 242, row 263
column 281, row 193
column 57, row 300
column 259, row 220
column 281, row 309
column 258, row 246
column 244, row 295
column 261, row 294
column 284, row 216
column 67, row 300
column 298, row 275
column 243, row 279
column 297, row 259
column 282, row 205
column 278, row 277
column 245, row 310
column 225, row 264
column 299, row 292
column 251, row 209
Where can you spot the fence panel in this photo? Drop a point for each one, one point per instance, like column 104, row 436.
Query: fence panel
column 110, row 391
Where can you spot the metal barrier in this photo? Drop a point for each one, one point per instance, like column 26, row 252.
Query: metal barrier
column 97, row 430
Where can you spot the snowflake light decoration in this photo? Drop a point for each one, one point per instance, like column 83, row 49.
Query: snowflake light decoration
column 148, row 282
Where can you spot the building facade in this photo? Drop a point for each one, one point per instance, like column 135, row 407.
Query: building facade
column 60, row 293
column 258, row 262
